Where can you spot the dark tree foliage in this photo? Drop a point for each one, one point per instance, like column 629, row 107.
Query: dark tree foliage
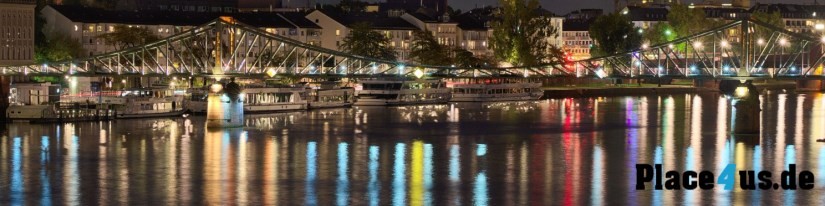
column 614, row 33
column 364, row 41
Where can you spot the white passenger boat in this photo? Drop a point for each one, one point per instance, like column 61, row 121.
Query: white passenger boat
column 380, row 92
column 329, row 95
column 495, row 89
column 43, row 102
column 268, row 98
column 150, row 102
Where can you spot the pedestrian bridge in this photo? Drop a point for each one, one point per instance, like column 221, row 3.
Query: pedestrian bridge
column 743, row 49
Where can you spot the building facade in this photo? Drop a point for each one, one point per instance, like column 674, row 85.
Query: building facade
column 16, row 32
column 86, row 25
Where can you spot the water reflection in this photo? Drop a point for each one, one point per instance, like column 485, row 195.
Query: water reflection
column 558, row 151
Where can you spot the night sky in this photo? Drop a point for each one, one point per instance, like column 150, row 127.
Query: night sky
column 561, row 7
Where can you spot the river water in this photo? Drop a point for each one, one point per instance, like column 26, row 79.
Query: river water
column 561, row 151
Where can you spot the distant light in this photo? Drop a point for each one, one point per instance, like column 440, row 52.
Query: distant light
column 644, row 46
column 271, row 72
column 670, row 46
column 741, row 91
column 783, row 41
column 724, row 43
column 418, row 73
column 697, row 44
column 601, row 73
column 215, row 88
column 819, row 26
column 760, row 41
column 668, row 32
column 641, row 31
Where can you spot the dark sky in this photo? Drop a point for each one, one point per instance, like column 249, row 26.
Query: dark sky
column 562, row 7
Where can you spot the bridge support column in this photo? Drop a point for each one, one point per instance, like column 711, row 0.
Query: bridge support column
column 810, row 85
column 746, row 108
column 224, row 106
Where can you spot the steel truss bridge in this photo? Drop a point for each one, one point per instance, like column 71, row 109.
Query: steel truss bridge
column 225, row 47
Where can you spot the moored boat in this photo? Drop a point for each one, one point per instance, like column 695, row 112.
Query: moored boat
column 495, row 89
column 389, row 92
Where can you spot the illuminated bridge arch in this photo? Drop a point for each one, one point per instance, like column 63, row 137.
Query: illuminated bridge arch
column 225, row 47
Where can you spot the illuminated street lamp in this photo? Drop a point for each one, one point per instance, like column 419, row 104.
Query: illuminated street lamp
column 760, row 41
column 724, row 43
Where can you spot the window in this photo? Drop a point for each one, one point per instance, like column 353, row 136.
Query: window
column 337, row 32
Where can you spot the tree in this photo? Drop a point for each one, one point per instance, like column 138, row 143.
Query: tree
column 363, row 41
column 426, row 50
column 686, row 21
column 464, row 58
column 773, row 19
column 613, row 33
column 126, row 37
column 659, row 33
column 520, row 34
column 58, row 48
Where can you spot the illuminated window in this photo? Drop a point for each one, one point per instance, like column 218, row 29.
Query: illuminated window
column 337, row 32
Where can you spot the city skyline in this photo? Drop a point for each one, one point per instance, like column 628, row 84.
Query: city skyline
column 566, row 6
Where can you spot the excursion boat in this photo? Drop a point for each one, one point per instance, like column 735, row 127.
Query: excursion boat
column 42, row 102
column 150, row 102
column 329, row 95
column 266, row 98
column 196, row 102
column 495, row 89
column 390, row 92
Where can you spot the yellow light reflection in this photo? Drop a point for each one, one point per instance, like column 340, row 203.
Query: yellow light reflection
column 417, row 173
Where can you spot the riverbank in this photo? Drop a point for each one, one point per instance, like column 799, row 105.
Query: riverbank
column 620, row 90
column 608, row 90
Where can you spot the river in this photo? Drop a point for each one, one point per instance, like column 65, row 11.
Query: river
column 572, row 151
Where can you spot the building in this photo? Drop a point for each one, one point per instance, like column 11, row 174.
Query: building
column 188, row 5
column 474, row 31
column 577, row 41
column 797, row 18
column 443, row 29
column 86, row 24
column 645, row 16
column 16, row 32
column 439, row 6
column 337, row 26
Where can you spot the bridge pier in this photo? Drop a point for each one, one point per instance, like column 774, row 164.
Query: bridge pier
column 709, row 84
column 224, row 106
column 810, row 85
column 746, row 106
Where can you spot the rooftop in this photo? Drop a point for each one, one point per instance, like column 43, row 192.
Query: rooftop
column 377, row 21
column 178, row 18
